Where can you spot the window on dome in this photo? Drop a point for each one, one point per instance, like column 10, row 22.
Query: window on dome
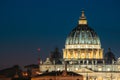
column 94, row 41
column 76, row 40
column 71, row 41
column 89, row 35
column 82, row 56
column 82, row 34
column 82, row 41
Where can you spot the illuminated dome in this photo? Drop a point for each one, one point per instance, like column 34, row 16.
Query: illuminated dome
column 83, row 36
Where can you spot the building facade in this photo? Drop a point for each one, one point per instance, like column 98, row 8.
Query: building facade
column 84, row 55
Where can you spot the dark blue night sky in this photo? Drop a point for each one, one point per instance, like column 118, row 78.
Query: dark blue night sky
column 26, row 25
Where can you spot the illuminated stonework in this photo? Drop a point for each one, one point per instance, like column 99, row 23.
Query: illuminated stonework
column 82, row 42
column 82, row 46
column 83, row 55
column 82, row 19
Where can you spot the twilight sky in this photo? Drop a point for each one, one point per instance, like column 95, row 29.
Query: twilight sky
column 26, row 25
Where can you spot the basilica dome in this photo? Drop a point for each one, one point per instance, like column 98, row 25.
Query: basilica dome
column 83, row 36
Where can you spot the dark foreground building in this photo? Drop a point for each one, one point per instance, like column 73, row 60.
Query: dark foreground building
column 58, row 75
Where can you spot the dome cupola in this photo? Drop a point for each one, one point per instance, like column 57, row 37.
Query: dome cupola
column 82, row 20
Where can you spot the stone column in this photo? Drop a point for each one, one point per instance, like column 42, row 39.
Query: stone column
column 80, row 53
column 96, row 62
column 92, row 62
column 68, row 53
column 87, row 62
column 83, row 61
column 97, row 54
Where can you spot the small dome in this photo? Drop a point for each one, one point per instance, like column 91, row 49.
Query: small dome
column 56, row 56
column 118, row 60
column 109, row 56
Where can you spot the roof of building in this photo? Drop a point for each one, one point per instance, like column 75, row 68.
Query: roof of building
column 58, row 73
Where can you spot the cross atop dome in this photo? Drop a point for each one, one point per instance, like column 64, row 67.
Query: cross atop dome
column 82, row 20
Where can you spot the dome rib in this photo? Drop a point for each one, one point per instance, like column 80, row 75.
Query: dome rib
column 83, row 35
